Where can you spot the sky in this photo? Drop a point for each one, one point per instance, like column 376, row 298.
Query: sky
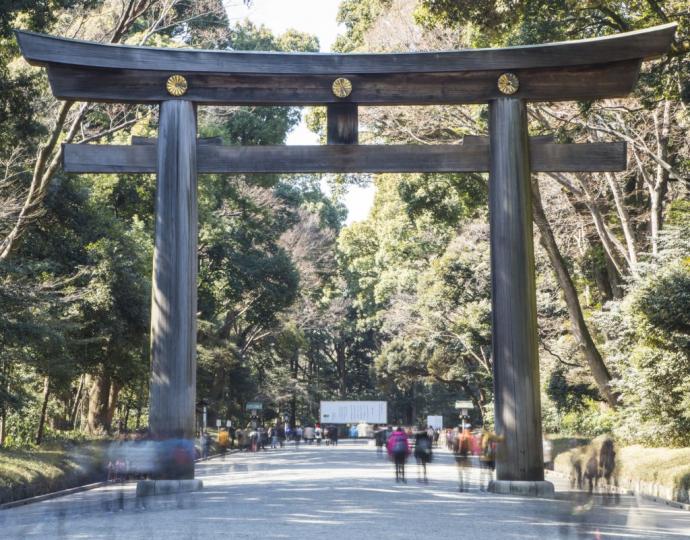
column 315, row 17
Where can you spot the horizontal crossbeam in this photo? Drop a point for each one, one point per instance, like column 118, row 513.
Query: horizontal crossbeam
column 577, row 70
column 473, row 157
column 138, row 86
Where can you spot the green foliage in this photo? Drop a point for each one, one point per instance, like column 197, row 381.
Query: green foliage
column 357, row 16
column 592, row 419
column 648, row 337
column 568, row 397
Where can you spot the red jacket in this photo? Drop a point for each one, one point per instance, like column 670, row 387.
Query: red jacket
column 395, row 436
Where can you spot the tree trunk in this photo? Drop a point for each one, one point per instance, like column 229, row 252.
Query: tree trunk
column 77, row 402
column 98, row 404
column 598, row 368
column 624, row 218
column 3, row 409
column 340, row 367
column 657, row 192
column 44, row 408
column 112, row 404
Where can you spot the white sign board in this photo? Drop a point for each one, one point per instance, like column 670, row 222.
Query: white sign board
column 434, row 421
column 354, row 412
column 465, row 404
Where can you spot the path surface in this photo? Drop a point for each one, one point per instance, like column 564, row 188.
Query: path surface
column 346, row 492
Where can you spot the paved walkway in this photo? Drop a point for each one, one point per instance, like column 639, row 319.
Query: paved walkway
column 346, row 492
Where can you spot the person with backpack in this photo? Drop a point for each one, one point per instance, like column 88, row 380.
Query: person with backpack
column 398, row 450
column 422, row 452
column 462, row 459
column 487, row 459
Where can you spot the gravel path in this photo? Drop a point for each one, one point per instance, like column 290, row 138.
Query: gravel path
column 346, row 492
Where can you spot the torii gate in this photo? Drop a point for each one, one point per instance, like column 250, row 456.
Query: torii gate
column 506, row 79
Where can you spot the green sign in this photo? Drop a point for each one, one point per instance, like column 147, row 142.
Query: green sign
column 254, row 406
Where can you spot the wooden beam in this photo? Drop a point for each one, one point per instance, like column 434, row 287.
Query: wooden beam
column 44, row 50
column 545, row 157
column 513, row 296
column 173, row 287
column 548, row 84
column 136, row 139
column 342, row 123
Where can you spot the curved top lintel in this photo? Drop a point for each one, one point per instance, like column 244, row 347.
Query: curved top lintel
column 44, row 50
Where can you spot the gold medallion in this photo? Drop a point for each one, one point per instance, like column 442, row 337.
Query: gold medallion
column 508, row 83
column 176, row 85
column 342, row 87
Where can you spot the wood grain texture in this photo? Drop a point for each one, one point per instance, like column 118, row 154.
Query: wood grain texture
column 547, row 84
column 173, row 306
column 513, row 298
column 470, row 157
column 342, row 123
column 42, row 50
column 136, row 139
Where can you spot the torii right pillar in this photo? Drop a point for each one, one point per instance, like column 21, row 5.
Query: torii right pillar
column 519, row 453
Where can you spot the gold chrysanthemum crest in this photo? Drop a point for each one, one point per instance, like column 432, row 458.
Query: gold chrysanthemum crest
column 341, row 87
column 176, row 85
column 508, row 83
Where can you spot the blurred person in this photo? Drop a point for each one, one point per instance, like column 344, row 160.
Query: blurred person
column 591, row 473
column 607, row 467
column 298, row 436
column 232, row 431
column 398, row 449
column 575, row 470
column 463, row 459
column 318, row 434
column 262, row 438
column 273, row 435
column 205, row 444
column 308, row 435
column 333, row 435
column 281, row 435
column 241, row 439
column 380, row 439
column 437, row 434
column 487, row 458
column 422, row 452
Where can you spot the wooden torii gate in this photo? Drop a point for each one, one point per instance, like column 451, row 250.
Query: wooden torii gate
column 506, row 79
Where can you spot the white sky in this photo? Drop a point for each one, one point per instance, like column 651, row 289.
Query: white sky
column 314, row 17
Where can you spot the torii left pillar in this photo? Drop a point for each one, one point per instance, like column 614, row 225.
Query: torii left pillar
column 174, row 297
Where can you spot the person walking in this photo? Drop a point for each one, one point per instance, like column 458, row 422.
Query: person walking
column 398, row 449
column 487, row 459
column 318, row 434
column 308, row 434
column 462, row 459
column 205, row 445
column 380, row 439
column 422, row 453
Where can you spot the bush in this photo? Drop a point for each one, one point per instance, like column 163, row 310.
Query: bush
column 592, row 420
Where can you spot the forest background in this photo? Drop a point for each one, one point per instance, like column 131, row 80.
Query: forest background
column 294, row 306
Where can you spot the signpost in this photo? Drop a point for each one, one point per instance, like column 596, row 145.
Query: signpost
column 464, row 406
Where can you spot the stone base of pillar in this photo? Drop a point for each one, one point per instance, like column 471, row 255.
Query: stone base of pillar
column 148, row 488
column 526, row 488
